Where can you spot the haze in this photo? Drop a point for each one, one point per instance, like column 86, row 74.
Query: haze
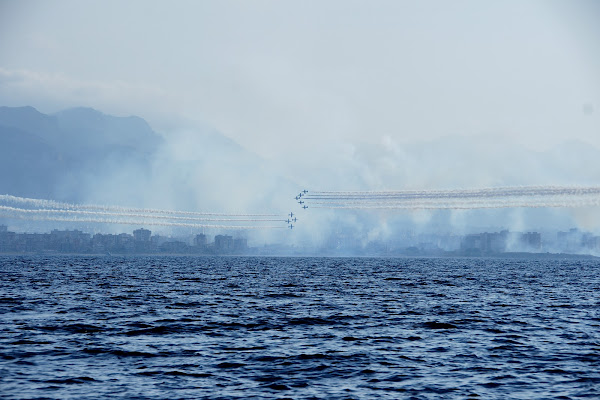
column 331, row 95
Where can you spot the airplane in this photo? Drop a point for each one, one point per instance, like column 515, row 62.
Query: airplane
column 291, row 214
column 305, row 206
column 301, row 202
column 291, row 226
column 287, row 221
column 297, row 197
column 294, row 220
column 305, row 191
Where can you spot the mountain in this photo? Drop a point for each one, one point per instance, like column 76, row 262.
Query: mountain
column 49, row 155
column 29, row 166
column 28, row 119
column 85, row 127
column 83, row 155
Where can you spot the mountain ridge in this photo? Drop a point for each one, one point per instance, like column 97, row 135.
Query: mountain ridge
column 83, row 155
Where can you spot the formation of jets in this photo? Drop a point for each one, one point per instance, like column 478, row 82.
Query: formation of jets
column 302, row 193
column 291, row 214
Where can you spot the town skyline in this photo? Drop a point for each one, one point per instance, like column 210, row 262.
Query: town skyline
column 142, row 241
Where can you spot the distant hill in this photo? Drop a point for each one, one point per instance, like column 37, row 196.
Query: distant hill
column 45, row 155
column 86, row 127
column 84, row 155
column 28, row 119
column 29, row 166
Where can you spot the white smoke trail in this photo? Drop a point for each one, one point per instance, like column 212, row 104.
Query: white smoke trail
column 23, row 214
column 451, row 206
column 483, row 193
column 493, row 190
column 51, row 204
column 134, row 215
column 504, row 197
column 468, row 203
column 49, row 210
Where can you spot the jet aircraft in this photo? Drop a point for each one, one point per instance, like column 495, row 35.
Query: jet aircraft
column 305, row 206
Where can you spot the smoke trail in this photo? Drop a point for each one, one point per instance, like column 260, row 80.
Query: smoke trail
column 135, row 215
column 473, row 193
column 502, row 197
column 49, row 210
column 24, row 214
column 465, row 203
column 51, row 204
column 452, row 206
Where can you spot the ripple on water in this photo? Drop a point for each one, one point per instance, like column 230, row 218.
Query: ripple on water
column 235, row 327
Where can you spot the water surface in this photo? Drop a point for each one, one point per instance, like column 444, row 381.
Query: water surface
column 300, row 328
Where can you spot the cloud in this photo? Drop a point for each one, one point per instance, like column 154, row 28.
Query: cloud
column 53, row 92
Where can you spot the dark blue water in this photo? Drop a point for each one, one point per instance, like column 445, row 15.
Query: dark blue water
column 299, row 328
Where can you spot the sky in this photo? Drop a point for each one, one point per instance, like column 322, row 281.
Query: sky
column 286, row 77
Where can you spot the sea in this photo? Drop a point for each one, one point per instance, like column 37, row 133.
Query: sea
column 178, row 327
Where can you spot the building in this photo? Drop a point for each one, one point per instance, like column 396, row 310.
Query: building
column 223, row 243
column 125, row 243
column 484, row 243
column 142, row 235
column 592, row 242
column 240, row 245
column 531, row 241
column 174, row 247
column 6, row 239
column 68, row 241
column 570, row 241
column 200, row 240
column 141, row 239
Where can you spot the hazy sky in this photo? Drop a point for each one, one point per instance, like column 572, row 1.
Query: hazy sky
column 283, row 75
